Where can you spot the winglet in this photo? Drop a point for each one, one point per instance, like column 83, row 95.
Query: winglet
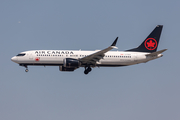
column 114, row 43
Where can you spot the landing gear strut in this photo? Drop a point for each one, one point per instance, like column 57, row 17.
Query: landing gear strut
column 87, row 70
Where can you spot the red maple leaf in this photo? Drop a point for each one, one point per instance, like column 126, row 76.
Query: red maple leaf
column 37, row 59
column 150, row 43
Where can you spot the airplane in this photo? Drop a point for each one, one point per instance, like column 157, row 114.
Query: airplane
column 70, row 60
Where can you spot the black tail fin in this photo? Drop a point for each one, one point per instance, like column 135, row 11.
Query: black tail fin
column 150, row 44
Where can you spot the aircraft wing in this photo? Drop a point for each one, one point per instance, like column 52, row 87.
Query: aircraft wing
column 95, row 57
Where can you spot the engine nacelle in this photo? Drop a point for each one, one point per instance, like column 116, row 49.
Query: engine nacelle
column 61, row 68
column 71, row 63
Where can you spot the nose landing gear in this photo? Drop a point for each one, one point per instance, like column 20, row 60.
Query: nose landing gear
column 87, row 70
column 26, row 68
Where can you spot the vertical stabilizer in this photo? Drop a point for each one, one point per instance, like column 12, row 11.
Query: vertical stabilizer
column 150, row 44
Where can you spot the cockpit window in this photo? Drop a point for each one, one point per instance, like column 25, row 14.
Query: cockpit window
column 21, row 54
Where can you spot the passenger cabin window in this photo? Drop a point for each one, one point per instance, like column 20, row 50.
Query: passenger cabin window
column 21, row 54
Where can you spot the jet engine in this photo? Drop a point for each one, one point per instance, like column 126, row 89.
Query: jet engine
column 69, row 64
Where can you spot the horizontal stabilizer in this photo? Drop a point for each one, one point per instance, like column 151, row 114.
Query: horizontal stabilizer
column 156, row 53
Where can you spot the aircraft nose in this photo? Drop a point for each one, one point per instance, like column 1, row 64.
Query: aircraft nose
column 14, row 59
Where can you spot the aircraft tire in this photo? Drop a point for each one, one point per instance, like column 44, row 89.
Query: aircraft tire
column 86, row 72
column 89, row 69
column 26, row 70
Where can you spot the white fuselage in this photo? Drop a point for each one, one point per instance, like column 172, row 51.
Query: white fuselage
column 56, row 57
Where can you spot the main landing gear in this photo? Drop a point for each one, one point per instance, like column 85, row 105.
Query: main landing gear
column 87, row 70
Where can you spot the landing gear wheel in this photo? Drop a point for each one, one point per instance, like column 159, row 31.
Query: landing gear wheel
column 89, row 69
column 86, row 71
column 26, row 70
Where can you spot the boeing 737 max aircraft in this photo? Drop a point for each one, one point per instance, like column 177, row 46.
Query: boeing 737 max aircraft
column 70, row 60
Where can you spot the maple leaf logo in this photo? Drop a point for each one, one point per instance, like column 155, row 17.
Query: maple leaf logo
column 37, row 59
column 150, row 44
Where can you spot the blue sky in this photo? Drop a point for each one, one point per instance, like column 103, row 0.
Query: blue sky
column 145, row 91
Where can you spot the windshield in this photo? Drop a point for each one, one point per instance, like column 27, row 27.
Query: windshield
column 21, row 54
